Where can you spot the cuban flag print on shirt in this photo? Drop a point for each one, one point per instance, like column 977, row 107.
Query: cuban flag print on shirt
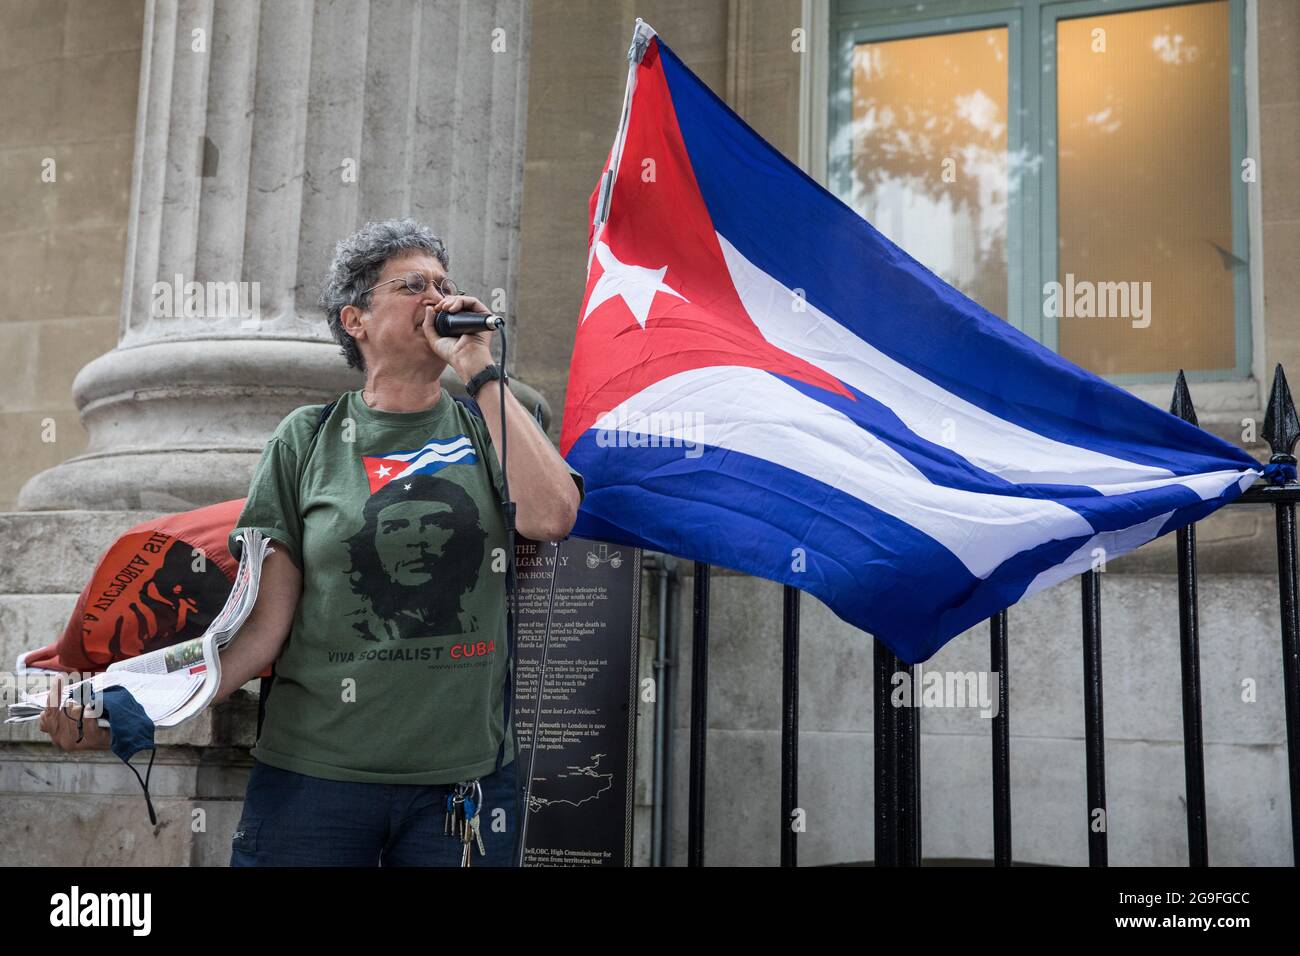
column 761, row 380
column 433, row 457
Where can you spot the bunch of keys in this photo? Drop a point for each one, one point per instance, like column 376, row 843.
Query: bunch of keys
column 462, row 818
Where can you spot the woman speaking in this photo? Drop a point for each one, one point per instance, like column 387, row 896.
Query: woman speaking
column 383, row 605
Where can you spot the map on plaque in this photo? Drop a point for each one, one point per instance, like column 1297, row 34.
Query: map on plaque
column 580, row 811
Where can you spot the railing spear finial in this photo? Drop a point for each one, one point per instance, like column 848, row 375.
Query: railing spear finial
column 1281, row 424
column 1181, row 406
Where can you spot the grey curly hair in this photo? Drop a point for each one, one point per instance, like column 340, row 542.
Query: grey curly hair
column 358, row 262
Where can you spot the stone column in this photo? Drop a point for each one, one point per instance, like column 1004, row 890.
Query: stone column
column 266, row 132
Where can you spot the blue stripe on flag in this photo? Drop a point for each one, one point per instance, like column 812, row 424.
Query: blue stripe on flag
column 747, row 514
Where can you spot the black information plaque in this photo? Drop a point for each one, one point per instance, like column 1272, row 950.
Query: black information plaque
column 580, row 811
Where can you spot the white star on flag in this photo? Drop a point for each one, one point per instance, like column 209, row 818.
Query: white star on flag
column 636, row 284
column 382, row 471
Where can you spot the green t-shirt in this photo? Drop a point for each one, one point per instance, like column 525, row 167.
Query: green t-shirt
column 395, row 668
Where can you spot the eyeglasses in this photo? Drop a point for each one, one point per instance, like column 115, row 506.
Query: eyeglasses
column 417, row 282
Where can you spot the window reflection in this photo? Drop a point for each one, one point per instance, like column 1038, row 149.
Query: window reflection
column 929, row 153
column 1145, row 187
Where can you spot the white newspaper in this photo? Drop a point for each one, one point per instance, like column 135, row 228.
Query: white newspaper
column 174, row 683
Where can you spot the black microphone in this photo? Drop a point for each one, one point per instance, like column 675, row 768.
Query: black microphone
column 465, row 323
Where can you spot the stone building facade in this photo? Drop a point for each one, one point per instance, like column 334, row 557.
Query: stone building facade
column 238, row 140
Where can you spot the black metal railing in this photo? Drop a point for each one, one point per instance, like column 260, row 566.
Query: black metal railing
column 897, row 729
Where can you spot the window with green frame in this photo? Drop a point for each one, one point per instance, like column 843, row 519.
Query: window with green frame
column 1077, row 167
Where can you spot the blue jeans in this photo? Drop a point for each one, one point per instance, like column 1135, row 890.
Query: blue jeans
column 291, row 819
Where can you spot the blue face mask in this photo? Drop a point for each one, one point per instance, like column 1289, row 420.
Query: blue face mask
column 132, row 731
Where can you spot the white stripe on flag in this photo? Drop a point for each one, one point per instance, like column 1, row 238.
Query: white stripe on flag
column 1108, row 545
column 1207, row 485
column 1000, row 447
column 757, row 414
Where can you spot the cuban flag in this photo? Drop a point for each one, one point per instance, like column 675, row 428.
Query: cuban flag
column 433, row 457
column 762, row 381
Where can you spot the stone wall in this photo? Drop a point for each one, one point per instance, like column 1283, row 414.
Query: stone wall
column 69, row 70
column 1279, row 140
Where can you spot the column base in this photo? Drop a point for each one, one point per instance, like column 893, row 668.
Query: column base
column 180, row 424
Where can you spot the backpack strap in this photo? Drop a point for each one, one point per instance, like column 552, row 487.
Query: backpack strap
column 324, row 414
column 264, row 686
column 469, row 405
